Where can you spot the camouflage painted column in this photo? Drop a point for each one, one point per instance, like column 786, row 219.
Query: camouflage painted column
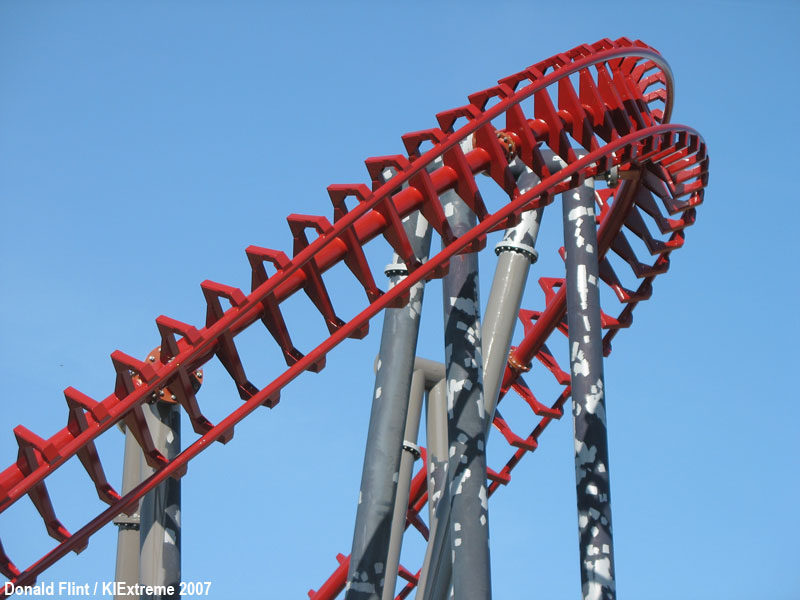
column 588, row 394
column 127, row 570
column 160, row 522
column 516, row 253
column 365, row 577
column 466, row 413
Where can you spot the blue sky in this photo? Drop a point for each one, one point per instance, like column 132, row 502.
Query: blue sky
column 145, row 145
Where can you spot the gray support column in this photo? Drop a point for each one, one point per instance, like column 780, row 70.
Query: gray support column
column 515, row 255
column 365, row 577
column 588, row 394
column 160, row 529
column 127, row 570
column 437, row 566
column 466, row 476
column 437, row 444
column 410, row 454
column 514, row 259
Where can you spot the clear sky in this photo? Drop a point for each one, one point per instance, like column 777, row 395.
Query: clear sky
column 144, row 145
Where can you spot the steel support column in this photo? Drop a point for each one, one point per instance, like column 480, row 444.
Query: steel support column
column 127, row 570
column 466, row 412
column 365, row 577
column 426, row 374
column 515, row 254
column 436, row 435
column 437, row 566
column 588, row 394
column 160, row 528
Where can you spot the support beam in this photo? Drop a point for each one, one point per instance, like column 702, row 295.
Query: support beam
column 410, row 454
column 127, row 570
column 160, row 529
column 365, row 577
column 438, row 445
column 516, row 252
column 466, row 469
column 588, row 394
column 437, row 567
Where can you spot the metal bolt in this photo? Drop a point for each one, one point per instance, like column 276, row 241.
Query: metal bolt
column 151, row 358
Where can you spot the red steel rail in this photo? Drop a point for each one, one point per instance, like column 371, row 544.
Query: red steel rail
column 618, row 112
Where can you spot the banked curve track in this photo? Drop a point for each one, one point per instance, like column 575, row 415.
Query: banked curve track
column 603, row 108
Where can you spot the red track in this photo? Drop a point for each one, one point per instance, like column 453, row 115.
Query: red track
column 619, row 115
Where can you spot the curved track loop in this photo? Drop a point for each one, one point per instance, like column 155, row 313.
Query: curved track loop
column 614, row 99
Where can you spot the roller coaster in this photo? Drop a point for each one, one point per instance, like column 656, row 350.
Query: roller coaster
column 589, row 127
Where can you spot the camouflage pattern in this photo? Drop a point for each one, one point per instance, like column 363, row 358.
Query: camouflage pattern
column 380, row 475
column 466, row 470
column 588, row 394
column 160, row 511
column 522, row 237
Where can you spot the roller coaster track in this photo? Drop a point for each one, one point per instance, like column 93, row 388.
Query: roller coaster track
column 611, row 99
